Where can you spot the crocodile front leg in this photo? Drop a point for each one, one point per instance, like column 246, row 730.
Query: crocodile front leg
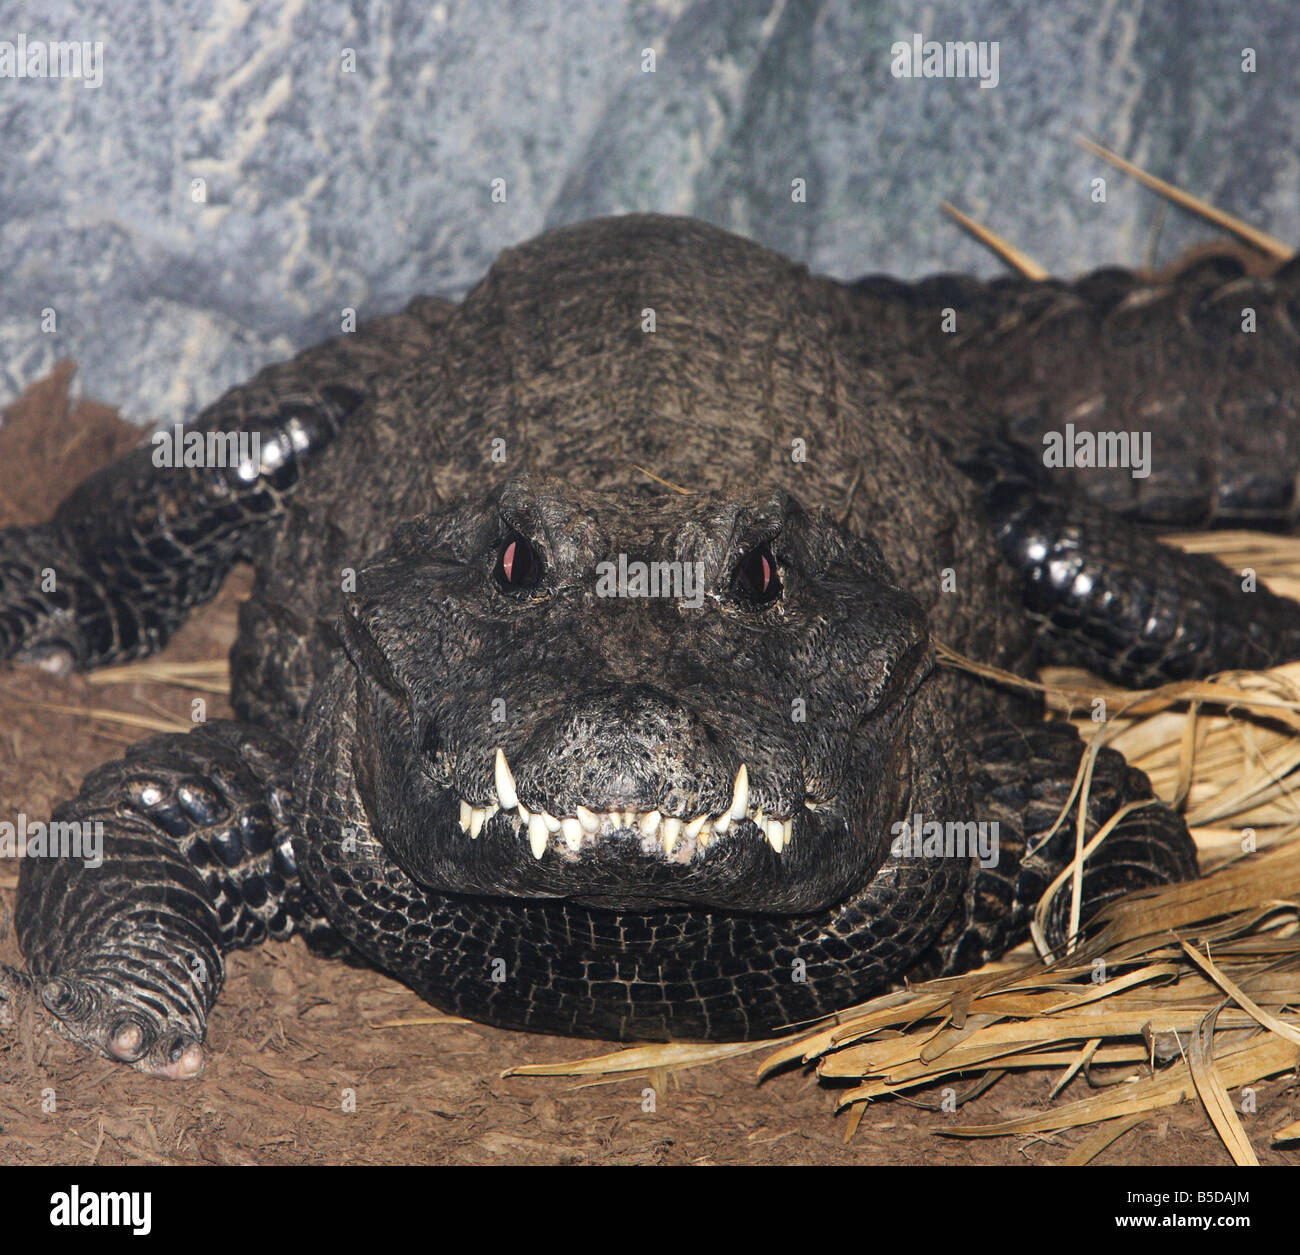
column 1022, row 779
column 125, row 939
column 1107, row 594
column 135, row 546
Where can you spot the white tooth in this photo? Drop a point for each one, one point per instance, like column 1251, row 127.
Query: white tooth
column 693, row 828
column 672, row 829
column 589, row 820
column 628, row 819
column 572, row 833
column 775, row 835
column 649, row 823
column 787, row 830
column 477, row 818
column 524, row 813
column 722, row 823
column 706, row 835
column 739, row 793
column 466, row 814
column 758, row 818
column 537, row 835
column 552, row 824
column 613, row 818
column 505, row 783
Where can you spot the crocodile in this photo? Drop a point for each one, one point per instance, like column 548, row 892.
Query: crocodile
column 589, row 683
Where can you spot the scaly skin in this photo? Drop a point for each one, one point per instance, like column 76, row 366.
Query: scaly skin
column 387, row 654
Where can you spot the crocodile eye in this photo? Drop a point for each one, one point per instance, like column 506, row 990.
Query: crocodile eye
column 756, row 578
column 519, row 565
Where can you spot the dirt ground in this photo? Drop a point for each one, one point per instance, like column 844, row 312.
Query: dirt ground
column 299, row 1071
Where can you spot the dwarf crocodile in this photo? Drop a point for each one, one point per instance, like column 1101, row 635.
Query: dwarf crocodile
column 471, row 751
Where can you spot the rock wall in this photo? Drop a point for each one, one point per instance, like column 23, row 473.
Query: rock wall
column 347, row 152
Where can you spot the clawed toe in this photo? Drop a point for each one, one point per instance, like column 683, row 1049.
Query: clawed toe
column 126, row 1041
column 179, row 1058
column 56, row 660
column 88, row 1014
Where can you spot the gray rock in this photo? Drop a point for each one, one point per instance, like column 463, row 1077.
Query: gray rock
column 327, row 189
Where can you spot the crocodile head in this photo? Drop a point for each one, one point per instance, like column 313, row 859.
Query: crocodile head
column 634, row 701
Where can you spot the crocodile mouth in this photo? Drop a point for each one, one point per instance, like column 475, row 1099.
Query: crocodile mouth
column 677, row 838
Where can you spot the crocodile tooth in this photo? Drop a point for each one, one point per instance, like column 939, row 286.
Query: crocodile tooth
column 572, row 833
column 757, row 817
column 589, row 820
column 722, row 823
column 613, row 818
column 477, row 818
column 505, row 783
column 706, row 835
column 628, row 819
column 552, row 824
column 672, row 829
column 537, row 835
column 524, row 813
column 693, row 828
column 787, row 829
column 649, row 823
column 466, row 815
column 775, row 834
column 739, row 793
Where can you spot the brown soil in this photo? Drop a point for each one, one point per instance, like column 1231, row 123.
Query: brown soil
column 293, row 1036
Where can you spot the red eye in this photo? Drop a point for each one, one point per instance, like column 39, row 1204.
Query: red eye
column 756, row 578
column 519, row 565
